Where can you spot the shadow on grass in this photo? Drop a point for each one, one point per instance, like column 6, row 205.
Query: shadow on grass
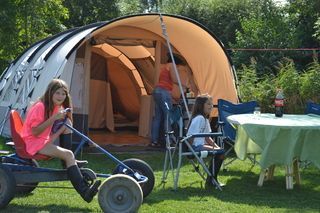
column 45, row 208
column 242, row 188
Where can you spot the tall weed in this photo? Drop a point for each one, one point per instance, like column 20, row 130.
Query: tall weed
column 298, row 87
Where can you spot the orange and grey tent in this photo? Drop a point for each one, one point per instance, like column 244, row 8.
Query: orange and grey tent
column 112, row 68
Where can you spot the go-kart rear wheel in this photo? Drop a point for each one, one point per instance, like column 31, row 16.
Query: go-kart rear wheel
column 143, row 169
column 7, row 186
column 24, row 189
column 120, row 193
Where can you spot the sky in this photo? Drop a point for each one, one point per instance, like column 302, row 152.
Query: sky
column 280, row 1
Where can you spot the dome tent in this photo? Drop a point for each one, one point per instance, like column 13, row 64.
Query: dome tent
column 112, row 67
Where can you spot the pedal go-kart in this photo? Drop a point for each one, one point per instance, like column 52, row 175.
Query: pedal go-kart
column 123, row 191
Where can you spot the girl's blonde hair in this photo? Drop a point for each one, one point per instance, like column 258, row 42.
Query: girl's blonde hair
column 46, row 98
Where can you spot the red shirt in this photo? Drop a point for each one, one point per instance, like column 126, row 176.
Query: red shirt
column 165, row 80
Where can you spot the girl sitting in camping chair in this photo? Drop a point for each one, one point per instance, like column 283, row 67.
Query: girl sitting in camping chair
column 199, row 123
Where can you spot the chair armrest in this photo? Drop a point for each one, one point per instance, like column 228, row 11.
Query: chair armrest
column 10, row 143
column 202, row 135
column 221, row 123
column 204, row 153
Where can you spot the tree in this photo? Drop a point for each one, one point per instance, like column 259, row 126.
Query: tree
column 303, row 15
column 8, row 33
column 265, row 28
column 219, row 16
column 25, row 22
column 272, row 26
column 317, row 29
column 83, row 12
column 128, row 7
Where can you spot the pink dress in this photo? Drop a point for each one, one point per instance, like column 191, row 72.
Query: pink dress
column 35, row 116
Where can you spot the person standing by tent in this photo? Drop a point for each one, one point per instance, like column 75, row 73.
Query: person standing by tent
column 38, row 136
column 163, row 98
column 199, row 123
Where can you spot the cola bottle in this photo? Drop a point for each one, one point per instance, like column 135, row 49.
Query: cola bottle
column 279, row 104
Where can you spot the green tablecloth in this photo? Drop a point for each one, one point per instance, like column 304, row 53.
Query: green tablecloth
column 279, row 140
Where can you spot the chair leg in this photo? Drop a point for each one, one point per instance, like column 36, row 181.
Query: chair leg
column 270, row 172
column 289, row 177
column 296, row 171
column 261, row 177
column 229, row 159
column 214, row 167
column 176, row 178
column 253, row 159
column 168, row 164
column 165, row 165
column 166, row 159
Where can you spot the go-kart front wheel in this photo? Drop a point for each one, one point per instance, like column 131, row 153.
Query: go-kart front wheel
column 142, row 168
column 120, row 193
column 7, row 186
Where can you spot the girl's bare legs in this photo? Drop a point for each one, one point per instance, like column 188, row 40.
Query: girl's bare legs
column 65, row 137
column 207, row 147
column 58, row 152
column 218, row 159
column 73, row 171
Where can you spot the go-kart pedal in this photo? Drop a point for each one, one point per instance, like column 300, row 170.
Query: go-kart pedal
column 81, row 163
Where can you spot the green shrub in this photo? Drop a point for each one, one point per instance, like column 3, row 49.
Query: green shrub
column 253, row 88
column 298, row 88
column 3, row 146
column 289, row 81
column 247, row 81
column 310, row 83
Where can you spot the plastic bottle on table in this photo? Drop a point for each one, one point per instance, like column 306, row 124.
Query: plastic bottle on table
column 279, row 103
column 188, row 94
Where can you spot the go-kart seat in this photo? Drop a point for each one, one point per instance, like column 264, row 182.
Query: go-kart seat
column 16, row 125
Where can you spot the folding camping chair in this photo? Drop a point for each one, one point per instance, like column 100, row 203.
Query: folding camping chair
column 311, row 108
column 225, row 109
column 197, row 158
column 174, row 119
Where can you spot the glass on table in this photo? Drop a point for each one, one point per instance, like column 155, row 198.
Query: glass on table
column 257, row 112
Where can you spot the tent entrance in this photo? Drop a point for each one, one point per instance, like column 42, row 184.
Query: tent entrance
column 114, row 100
column 121, row 137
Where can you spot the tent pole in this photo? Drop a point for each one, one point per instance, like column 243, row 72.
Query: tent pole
column 164, row 32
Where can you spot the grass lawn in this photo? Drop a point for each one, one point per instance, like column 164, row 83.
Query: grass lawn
column 241, row 193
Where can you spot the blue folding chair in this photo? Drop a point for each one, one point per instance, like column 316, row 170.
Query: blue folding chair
column 225, row 109
column 312, row 108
